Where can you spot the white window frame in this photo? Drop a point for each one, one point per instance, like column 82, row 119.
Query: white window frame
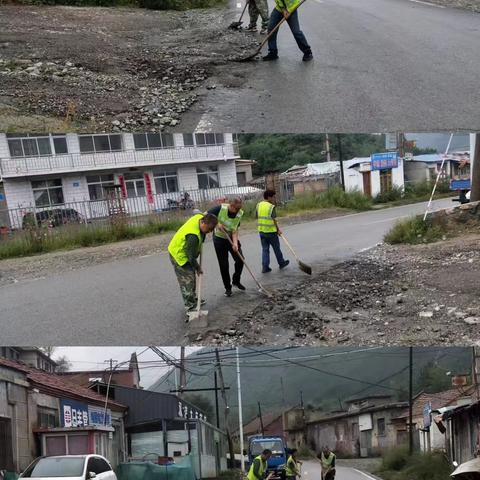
column 134, row 181
column 51, row 138
column 208, row 177
column 109, row 135
column 47, row 188
column 165, row 175
column 102, row 183
column 162, row 141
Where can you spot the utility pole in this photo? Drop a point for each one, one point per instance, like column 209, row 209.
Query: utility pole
column 240, row 412
column 304, row 420
column 340, row 159
column 217, row 415
column 410, row 402
column 261, row 419
column 227, row 410
column 183, row 379
column 327, row 147
column 475, row 166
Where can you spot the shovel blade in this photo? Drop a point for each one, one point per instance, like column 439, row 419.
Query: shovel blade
column 248, row 58
column 235, row 25
column 305, row 268
column 199, row 318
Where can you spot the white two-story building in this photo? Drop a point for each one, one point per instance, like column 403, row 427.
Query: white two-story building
column 150, row 171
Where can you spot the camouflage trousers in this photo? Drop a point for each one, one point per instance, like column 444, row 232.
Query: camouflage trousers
column 187, row 279
column 258, row 8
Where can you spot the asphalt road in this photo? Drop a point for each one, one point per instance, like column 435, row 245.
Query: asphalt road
column 311, row 470
column 380, row 65
column 136, row 301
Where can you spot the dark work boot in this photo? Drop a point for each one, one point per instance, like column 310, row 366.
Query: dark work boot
column 271, row 56
column 238, row 285
column 307, row 56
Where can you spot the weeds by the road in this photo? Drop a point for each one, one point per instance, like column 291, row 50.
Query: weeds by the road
column 418, row 192
column 399, row 465
column 414, row 231
column 43, row 240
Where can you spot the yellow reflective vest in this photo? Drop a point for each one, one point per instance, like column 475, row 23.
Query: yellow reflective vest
column 291, row 469
column 289, row 5
column 176, row 247
column 261, row 470
column 230, row 224
column 327, row 461
column 266, row 223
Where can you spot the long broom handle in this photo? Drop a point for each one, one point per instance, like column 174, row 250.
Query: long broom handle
column 279, row 24
column 246, row 265
column 243, row 11
column 290, row 247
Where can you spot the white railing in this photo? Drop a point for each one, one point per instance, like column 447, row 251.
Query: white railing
column 74, row 162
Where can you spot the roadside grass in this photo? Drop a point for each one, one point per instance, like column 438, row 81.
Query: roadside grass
column 414, row 231
column 397, row 464
column 37, row 241
column 149, row 4
column 413, row 193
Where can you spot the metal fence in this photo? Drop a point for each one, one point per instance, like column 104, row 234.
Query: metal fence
column 133, row 211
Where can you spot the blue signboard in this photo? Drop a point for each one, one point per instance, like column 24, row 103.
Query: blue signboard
column 96, row 416
column 463, row 184
column 384, row 161
column 73, row 414
column 427, row 418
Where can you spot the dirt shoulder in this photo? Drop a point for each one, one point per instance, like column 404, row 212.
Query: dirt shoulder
column 137, row 69
column 473, row 5
column 390, row 295
column 17, row 269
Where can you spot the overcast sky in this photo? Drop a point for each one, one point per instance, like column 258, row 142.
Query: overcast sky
column 97, row 358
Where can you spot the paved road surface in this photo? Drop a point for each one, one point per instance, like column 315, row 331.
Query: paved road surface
column 136, row 301
column 311, row 470
column 380, row 65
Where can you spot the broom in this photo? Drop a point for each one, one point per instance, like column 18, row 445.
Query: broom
column 301, row 265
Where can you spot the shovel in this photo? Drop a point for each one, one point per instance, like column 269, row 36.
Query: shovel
column 237, row 25
column 261, row 288
column 199, row 316
column 301, row 265
column 267, row 38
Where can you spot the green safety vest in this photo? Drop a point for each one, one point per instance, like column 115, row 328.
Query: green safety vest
column 289, row 5
column 176, row 247
column 230, row 224
column 327, row 462
column 261, row 470
column 266, row 224
column 291, row 469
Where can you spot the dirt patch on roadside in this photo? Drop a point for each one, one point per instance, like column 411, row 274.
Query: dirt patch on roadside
column 473, row 5
column 112, row 68
column 390, row 295
column 18, row 269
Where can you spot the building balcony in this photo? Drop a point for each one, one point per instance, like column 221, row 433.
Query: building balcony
column 84, row 162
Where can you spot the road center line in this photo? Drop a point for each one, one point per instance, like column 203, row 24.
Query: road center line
column 428, row 3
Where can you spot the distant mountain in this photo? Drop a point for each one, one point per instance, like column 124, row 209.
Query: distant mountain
column 326, row 376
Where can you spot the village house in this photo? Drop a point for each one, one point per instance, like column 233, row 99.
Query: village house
column 128, row 376
column 312, row 177
column 43, row 414
column 90, row 176
column 32, row 356
column 159, row 425
column 364, row 429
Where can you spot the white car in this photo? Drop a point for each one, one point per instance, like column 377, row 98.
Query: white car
column 72, row 467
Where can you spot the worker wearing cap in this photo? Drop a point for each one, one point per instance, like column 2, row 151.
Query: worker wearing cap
column 258, row 468
column 327, row 459
column 269, row 231
column 292, row 469
column 258, row 8
column 287, row 9
column 185, row 248
column 229, row 216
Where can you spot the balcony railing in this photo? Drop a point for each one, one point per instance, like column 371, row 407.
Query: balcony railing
column 75, row 162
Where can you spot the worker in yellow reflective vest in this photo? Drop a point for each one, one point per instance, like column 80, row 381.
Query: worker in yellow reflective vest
column 292, row 469
column 229, row 216
column 327, row 459
column 287, row 9
column 258, row 468
column 185, row 248
column 269, row 231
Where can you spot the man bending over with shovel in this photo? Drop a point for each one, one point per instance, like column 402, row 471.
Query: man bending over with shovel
column 225, row 241
column 287, row 9
column 184, row 249
column 258, row 469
